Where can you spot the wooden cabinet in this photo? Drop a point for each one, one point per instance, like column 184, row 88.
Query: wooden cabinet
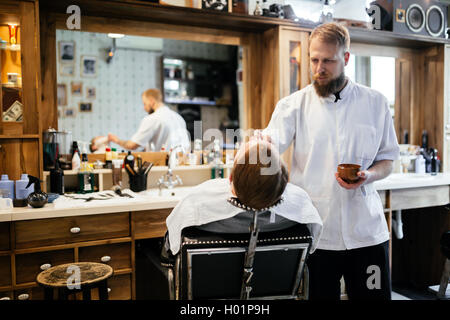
column 4, row 236
column 293, row 60
column 5, row 271
column 149, row 224
column 45, row 232
column 118, row 255
column 28, row 266
column 20, row 141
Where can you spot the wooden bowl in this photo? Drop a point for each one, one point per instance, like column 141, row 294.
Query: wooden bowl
column 348, row 172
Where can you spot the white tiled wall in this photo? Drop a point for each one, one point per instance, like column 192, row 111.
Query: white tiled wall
column 117, row 107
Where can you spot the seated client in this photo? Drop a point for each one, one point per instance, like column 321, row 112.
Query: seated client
column 258, row 180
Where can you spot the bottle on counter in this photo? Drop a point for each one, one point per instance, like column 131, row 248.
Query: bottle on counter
column 129, row 159
column 217, row 163
column 434, row 162
column 85, row 176
column 420, row 164
column 76, row 161
column 22, row 192
column 8, row 187
column 258, row 10
column 108, row 158
column 114, row 155
column 38, row 198
column 198, row 151
column 57, row 179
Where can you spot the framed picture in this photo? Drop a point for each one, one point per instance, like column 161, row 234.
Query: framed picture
column 67, row 70
column 62, row 94
column 76, row 88
column 90, row 92
column 182, row 3
column 85, row 106
column 69, row 113
column 218, row 5
column 66, row 51
column 88, row 66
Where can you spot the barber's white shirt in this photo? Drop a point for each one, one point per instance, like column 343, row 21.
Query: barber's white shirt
column 162, row 127
column 357, row 129
column 207, row 202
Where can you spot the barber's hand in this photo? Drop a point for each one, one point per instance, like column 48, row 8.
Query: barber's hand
column 363, row 176
column 113, row 138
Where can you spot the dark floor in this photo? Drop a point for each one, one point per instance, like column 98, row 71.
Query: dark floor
column 414, row 293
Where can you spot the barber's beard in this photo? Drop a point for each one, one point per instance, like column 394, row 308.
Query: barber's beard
column 329, row 88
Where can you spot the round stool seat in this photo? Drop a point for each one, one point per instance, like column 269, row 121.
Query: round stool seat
column 445, row 244
column 74, row 277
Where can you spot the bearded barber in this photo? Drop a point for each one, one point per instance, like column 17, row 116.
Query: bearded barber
column 334, row 121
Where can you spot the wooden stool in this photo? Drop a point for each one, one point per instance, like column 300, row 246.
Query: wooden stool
column 76, row 277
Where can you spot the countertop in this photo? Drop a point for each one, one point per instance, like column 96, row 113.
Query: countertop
column 152, row 200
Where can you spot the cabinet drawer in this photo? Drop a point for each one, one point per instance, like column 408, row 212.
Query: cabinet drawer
column 150, row 224
column 6, row 295
column 118, row 255
column 44, row 232
column 4, row 236
column 119, row 288
column 5, row 271
column 29, row 265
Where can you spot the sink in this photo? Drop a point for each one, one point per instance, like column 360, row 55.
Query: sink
column 175, row 192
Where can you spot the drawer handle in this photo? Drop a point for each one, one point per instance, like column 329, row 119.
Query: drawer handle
column 75, row 230
column 24, row 296
column 45, row 266
column 105, row 259
column 5, row 298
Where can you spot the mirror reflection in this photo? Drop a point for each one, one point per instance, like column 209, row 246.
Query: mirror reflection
column 101, row 79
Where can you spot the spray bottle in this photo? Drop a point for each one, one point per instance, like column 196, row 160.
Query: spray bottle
column 85, row 174
column 38, row 198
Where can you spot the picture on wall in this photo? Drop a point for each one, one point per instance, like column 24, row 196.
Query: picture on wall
column 67, row 52
column 62, row 94
column 69, row 113
column 85, row 106
column 90, row 92
column 88, row 66
column 67, row 70
column 76, row 88
column 218, row 5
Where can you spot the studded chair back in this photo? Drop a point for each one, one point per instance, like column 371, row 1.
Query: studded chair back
column 210, row 265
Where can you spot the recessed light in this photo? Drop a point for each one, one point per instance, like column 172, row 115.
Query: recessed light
column 116, row 35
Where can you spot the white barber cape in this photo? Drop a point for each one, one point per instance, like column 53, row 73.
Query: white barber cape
column 208, row 203
column 162, row 127
column 356, row 129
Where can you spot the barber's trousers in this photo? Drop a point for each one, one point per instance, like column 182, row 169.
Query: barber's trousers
column 365, row 271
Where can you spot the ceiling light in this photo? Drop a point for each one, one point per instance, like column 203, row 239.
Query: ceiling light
column 116, row 35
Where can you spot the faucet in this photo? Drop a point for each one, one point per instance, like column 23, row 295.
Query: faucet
column 167, row 180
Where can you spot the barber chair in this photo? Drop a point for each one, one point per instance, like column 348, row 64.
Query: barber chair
column 215, row 266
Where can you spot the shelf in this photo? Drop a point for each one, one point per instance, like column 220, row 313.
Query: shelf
column 204, row 103
column 19, row 136
column 153, row 169
column 10, row 47
column 9, row 86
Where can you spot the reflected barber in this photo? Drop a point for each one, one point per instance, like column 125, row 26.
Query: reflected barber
column 330, row 122
column 162, row 127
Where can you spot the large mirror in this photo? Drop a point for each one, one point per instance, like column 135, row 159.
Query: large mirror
column 101, row 78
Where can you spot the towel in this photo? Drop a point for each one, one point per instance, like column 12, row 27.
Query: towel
column 207, row 202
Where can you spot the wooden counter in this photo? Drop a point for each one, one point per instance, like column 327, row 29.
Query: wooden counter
column 32, row 239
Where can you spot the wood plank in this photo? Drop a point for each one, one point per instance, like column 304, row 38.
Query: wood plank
column 403, row 199
column 4, row 236
column 54, row 231
column 150, row 224
column 29, row 69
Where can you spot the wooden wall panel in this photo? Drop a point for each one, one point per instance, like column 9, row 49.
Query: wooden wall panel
column 30, row 64
column 19, row 156
column 48, row 72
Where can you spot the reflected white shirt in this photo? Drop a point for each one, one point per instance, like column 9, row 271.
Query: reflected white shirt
column 356, row 129
column 162, row 127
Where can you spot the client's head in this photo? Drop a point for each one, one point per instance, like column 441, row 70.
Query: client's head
column 258, row 177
